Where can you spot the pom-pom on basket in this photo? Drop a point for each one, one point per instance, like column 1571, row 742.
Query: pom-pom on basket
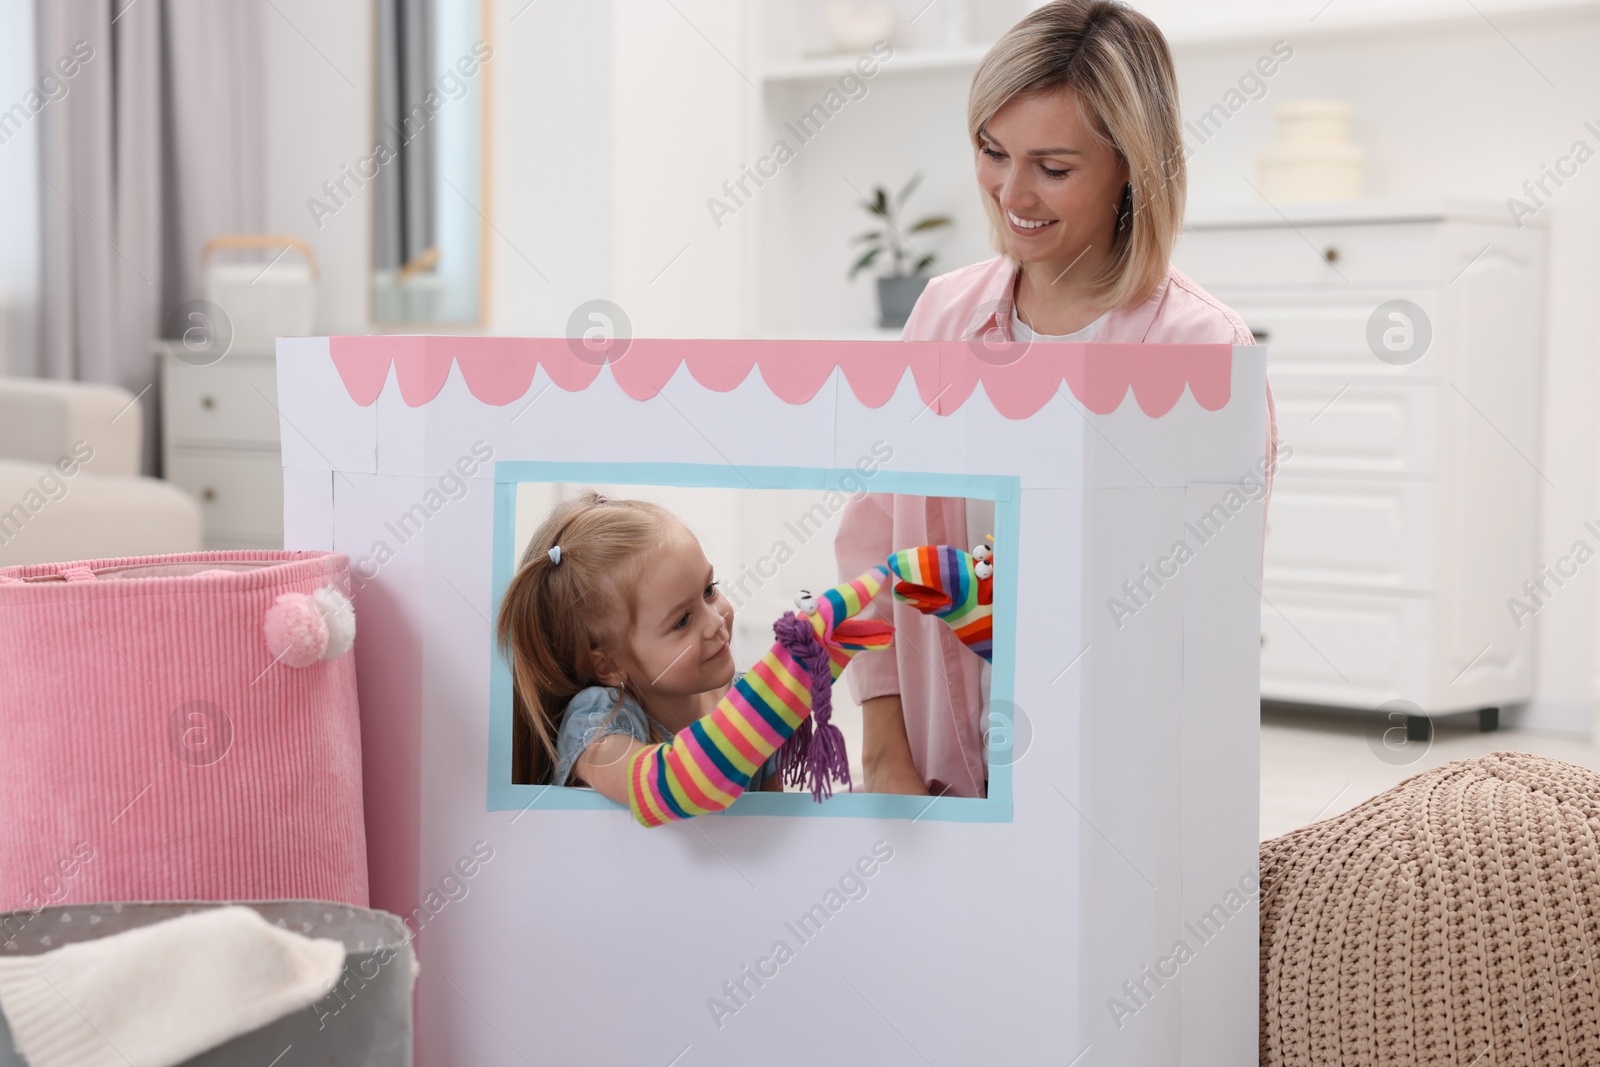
column 180, row 727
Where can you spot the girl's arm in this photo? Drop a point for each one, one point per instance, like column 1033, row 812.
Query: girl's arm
column 604, row 767
column 711, row 761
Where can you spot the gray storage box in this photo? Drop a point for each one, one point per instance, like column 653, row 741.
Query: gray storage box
column 365, row 1022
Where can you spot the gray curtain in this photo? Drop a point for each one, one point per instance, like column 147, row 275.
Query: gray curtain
column 406, row 74
column 157, row 147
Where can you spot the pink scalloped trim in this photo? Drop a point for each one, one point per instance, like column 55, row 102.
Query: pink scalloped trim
column 499, row 370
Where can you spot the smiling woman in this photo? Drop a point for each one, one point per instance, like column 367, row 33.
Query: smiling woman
column 1074, row 117
column 1079, row 161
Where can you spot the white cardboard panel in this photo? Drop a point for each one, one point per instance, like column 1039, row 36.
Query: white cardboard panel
column 1047, row 451
column 1186, row 443
column 439, row 434
column 922, row 439
column 1129, row 793
column 1065, row 444
column 1221, row 728
column 402, row 430
column 749, row 425
column 702, row 427
column 322, row 428
column 976, row 942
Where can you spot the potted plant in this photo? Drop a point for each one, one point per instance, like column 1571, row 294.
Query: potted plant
column 898, row 287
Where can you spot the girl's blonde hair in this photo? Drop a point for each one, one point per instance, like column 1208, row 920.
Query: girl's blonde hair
column 556, row 616
column 1117, row 64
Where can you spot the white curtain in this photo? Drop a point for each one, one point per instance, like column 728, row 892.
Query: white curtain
column 155, row 146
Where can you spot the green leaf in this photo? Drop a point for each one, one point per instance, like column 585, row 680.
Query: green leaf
column 932, row 222
column 900, row 200
column 870, row 235
column 865, row 261
column 880, row 200
column 922, row 264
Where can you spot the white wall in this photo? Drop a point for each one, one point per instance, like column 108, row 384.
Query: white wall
column 550, row 155
column 551, row 164
column 907, row 122
column 681, row 80
column 695, row 112
column 319, row 118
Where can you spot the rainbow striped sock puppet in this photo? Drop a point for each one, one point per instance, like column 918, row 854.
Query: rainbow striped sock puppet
column 949, row 584
column 710, row 762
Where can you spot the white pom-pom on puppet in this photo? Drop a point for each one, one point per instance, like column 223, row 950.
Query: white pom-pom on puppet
column 303, row 629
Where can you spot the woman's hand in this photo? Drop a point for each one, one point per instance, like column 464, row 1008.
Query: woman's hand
column 885, row 751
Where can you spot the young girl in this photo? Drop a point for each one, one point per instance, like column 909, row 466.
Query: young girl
column 618, row 641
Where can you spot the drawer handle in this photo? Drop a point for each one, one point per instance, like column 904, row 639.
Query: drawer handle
column 1331, row 254
column 208, row 402
column 208, row 494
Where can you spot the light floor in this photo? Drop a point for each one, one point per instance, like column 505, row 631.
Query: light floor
column 1316, row 764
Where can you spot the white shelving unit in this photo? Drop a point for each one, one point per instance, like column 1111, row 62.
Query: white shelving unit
column 829, row 67
column 911, row 118
column 1408, row 511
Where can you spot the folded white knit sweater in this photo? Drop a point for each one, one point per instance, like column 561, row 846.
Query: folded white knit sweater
column 163, row 993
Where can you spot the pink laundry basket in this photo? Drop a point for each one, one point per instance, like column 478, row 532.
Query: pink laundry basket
column 180, row 727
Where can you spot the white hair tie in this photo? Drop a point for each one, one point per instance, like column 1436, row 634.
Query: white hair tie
column 555, row 554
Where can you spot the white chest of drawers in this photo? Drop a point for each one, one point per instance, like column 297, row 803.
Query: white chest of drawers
column 219, row 436
column 1405, row 511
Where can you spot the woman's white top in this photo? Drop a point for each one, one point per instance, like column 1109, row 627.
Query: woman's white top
column 1021, row 332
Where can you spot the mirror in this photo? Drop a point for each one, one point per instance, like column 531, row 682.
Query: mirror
column 429, row 163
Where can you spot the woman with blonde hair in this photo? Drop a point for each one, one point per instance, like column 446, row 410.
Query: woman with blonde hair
column 1075, row 128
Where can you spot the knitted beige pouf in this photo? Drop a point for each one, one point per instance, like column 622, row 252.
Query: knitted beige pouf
column 1451, row 920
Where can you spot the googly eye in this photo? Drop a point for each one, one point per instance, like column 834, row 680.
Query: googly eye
column 805, row 602
column 982, row 553
column 983, row 569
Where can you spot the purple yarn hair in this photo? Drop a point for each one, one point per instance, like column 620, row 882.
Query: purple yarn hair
column 814, row 755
